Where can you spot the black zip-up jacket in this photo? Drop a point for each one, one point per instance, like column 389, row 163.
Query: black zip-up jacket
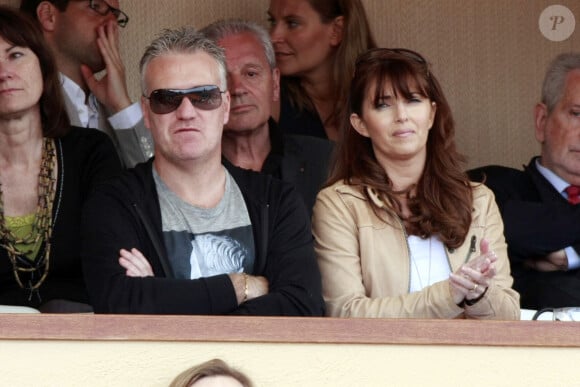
column 125, row 213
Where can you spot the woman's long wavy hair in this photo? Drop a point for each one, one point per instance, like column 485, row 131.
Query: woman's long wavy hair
column 20, row 30
column 443, row 201
column 356, row 39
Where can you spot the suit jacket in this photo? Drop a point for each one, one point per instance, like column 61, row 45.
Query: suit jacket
column 300, row 160
column 303, row 122
column 537, row 219
column 134, row 145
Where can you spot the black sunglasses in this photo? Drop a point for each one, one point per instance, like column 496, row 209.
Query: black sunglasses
column 163, row 101
column 103, row 8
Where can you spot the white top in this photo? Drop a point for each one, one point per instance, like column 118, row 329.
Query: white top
column 429, row 263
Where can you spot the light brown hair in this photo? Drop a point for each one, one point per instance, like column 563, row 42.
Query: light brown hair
column 356, row 38
column 214, row 367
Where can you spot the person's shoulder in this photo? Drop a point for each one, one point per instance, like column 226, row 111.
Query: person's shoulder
column 78, row 134
column 261, row 189
column 251, row 181
column 499, row 182
column 243, row 174
column 339, row 199
column 340, row 185
column 86, row 146
column 495, row 172
column 308, row 141
column 133, row 182
column 481, row 191
column 310, row 148
column 342, row 188
column 140, row 175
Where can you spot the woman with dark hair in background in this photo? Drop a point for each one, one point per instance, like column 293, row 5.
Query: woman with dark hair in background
column 400, row 231
column 316, row 44
column 47, row 169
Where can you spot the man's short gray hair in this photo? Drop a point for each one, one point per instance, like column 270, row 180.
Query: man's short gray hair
column 555, row 79
column 224, row 28
column 183, row 40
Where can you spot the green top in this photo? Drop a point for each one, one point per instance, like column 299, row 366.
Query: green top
column 21, row 228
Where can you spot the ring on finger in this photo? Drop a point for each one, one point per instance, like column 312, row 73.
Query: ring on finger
column 475, row 286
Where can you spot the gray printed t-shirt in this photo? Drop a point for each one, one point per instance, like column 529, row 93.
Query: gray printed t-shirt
column 203, row 242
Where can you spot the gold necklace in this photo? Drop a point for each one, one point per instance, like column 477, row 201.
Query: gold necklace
column 41, row 228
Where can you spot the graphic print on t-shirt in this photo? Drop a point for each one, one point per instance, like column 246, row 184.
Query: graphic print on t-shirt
column 210, row 253
column 204, row 242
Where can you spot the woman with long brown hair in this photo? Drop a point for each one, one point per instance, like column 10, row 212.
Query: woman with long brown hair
column 400, row 231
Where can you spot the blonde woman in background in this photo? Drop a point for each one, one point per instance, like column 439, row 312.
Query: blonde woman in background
column 316, row 44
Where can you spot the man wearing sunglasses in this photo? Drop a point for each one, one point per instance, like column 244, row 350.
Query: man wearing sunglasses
column 84, row 37
column 184, row 234
column 252, row 138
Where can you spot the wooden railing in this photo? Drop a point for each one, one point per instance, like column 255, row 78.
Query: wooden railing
column 288, row 330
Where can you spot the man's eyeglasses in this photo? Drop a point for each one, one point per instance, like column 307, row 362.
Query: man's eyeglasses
column 163, row 101
column 103, row 8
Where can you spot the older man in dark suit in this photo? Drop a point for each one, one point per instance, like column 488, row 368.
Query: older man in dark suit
column 539, row 205
column 251, row 138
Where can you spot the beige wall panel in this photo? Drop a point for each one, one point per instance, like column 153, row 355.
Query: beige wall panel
column 132, row 350
column 489, row 56
column 117, row 363
column 148, row 17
